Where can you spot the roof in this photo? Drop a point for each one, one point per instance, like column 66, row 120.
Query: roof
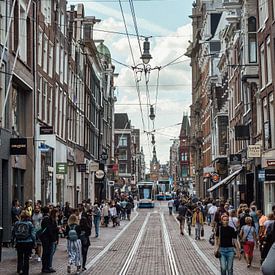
column 185, row 126
column 104, row 52
column 122, row 121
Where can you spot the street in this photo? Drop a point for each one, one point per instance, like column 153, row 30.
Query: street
column 149, row 244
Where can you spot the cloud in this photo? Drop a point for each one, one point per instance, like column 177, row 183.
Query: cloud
column 172, row 100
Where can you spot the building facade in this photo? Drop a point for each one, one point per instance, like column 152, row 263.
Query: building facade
column 234, row 46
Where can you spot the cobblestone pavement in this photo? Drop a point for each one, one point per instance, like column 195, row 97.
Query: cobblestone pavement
column 149, row 244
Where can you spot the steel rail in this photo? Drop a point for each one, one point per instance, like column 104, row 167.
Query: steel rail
column 168, row 246
column 106, row 249
column 135, row 247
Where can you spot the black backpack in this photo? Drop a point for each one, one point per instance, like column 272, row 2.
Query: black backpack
column 22, row 231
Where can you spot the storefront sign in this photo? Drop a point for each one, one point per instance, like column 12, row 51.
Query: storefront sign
column 115, row 167
column 215, row 177
column 61, row 168
column 269, row 174
column 81, row 167
column 46, row 130
column 270, row 162
column 100, row 174
column 94, row 166
column 18, row 146
column 261, row 175
column 242, row 132
column 254, row 151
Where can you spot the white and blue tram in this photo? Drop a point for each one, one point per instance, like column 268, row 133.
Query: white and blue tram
column 146, row 194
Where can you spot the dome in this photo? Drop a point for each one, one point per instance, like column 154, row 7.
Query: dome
column 104, row 52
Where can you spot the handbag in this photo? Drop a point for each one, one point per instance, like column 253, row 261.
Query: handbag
column 212, row 239
column 217, row 253
column 244, row 239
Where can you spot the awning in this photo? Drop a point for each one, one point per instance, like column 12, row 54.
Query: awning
column 226, row 180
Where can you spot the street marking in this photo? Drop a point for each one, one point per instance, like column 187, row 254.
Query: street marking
column 134, row 248
column 198, row 250
column 172, row 262
column 105, row 250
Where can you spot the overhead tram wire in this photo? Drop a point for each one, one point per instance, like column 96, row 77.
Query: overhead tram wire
column 134, row 63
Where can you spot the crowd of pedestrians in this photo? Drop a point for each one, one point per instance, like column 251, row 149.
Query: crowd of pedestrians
column 37, row 229
column 236, row 232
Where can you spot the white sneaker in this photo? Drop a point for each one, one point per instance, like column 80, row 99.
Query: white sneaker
column 38, row 259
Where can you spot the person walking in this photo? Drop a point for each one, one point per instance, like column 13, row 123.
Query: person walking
column 233, row 220
column 212, row 211
column 170, row 206
column 47, row 238
column 226, row 239
column 182, row 210
column 73, row 231
column 24, row 235
column 37, row 219
column 197, row 221
column 97, row 215
column 106, row 214
column 128, row 210
column 85, row 240
column 249, row 237
column 54, row 238
column 113, row 214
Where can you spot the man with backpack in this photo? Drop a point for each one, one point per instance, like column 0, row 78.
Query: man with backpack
column 24, row 234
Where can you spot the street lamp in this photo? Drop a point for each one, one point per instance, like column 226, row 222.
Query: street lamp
column 146, row 56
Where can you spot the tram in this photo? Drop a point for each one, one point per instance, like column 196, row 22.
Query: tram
column 146, row 193
column 164, row 190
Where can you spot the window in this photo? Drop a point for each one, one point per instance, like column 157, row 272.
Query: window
column 57, row 57
column 272, row 120
column 122, row 141
column 273, row 3
column 66, row 69
column 50, row 59
column 56, row 108
column 252, row 40
column 122, row 154
column 45, row 54
column 266, row 124
column 263, row 12
column 39, row 96
column 122, row 168
column 2, row 21
column 46, row 10
column 44, row 111
column 262, row 66
column 39, row 47
column 23, row 31
column 259, row 115
column 268, row 61
column 61, row 69
column 246, row 95
column 49, row 107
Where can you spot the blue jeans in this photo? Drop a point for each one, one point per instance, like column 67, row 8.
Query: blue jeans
column 226, row 260
column 53, row 249
column 96, row 223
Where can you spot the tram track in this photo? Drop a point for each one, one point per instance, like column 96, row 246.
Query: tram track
column 135, row 247
column 170, row 253
column 152, row 252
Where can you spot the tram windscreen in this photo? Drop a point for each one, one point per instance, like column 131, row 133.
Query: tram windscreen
column 145, row 192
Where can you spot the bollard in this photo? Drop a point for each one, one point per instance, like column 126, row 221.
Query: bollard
column 1, row 242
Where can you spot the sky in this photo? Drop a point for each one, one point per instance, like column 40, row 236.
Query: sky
column 168, row 26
